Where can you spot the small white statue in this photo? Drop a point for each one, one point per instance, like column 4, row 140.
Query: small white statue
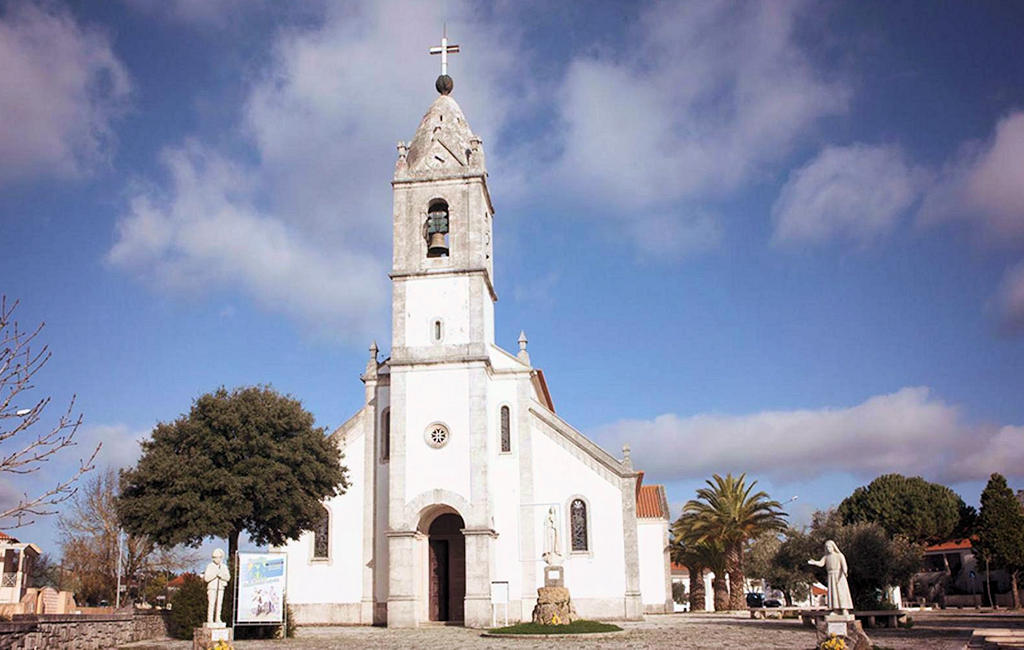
column 838, row 589
column 552, row 553
column 216, row 576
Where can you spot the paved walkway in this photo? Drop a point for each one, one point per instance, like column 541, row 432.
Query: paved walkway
column 932, row 631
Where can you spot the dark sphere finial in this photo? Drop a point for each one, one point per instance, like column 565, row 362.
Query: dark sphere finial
column 444, row 84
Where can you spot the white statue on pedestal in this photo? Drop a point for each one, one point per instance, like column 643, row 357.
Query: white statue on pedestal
column 838, row 589
column 552, row 554
column 216, row 576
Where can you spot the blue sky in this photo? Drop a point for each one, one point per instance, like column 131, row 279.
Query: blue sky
column 780, row 238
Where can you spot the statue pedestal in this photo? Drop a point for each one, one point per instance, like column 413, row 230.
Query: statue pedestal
column 554, row 576
column 845, row 626
column 553, row 607
column 210, row 634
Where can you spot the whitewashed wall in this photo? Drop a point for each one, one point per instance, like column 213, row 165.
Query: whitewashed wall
column 651, row 547
column 442, row 395
column 504, row 487
column 559, row 475
column 339, row 578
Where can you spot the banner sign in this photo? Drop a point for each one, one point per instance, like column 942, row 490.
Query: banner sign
column 261, row 582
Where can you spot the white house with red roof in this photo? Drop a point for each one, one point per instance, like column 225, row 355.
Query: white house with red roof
column 457, row 458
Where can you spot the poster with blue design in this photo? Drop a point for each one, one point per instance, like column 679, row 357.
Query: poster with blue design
column 261, row 588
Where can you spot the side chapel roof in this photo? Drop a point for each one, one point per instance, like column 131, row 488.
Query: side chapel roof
column 651, row 502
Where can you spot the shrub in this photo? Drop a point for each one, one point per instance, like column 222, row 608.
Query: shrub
column 188, row 607
column 679, row 593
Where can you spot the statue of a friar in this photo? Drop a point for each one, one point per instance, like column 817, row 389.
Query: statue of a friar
column 216, row 576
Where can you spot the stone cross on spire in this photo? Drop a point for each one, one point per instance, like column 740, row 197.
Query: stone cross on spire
column 444, row 50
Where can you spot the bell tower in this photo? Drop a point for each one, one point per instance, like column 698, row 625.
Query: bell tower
column 442, row 270
column 442, row 334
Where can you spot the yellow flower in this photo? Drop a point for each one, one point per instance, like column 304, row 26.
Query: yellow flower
column 833, row 642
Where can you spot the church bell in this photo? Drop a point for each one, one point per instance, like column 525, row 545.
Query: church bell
column 437, row 229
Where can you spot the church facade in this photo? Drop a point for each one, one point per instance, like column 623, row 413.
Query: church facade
column 458, row 460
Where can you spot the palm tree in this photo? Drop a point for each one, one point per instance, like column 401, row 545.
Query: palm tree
column 697, row 558
column 729, row 513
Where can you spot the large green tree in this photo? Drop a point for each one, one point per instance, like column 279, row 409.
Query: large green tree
column 249, row 460
column 728, row 512
column 1001, row 530
column 921, row 511
column 910, row 507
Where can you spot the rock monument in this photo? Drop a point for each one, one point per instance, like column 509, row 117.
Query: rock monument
column 554, row 606
column 840, row 622
column 214, row 630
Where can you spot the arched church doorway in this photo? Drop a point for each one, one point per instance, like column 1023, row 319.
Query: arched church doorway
column 446, row 569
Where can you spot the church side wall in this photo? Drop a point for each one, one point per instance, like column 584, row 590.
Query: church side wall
column 595, row 578
column 651, row 544
column 329, row 591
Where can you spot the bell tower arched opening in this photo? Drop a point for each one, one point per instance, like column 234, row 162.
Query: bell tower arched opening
column 437, row 229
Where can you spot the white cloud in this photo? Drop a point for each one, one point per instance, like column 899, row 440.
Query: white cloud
column 210, row 235
column 700, row 98
column 909, row 431
column 120, row 445
column 1010, row 300
column 857, row 192
column 668, row 236
column 985, row 185
column 62, row 88
column 303, row 229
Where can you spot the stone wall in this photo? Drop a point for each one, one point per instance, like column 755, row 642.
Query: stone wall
column 81, row 631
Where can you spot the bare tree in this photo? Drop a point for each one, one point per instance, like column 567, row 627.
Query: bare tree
column 92, row 541
column 22, row 451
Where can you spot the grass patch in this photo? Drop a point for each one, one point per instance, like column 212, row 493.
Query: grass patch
column 576, row 627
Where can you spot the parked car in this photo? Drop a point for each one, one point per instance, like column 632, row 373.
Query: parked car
column 755, row 599
column 771, row 602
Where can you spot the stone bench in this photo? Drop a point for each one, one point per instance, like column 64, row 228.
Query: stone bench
column 869, row 619
column 773, row 612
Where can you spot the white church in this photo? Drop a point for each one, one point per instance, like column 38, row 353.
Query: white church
column 457, row 458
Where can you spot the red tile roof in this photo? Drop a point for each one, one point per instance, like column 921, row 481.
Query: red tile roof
column 951, row 545
column 651, row 502
column 679, row 569
column 4, row 537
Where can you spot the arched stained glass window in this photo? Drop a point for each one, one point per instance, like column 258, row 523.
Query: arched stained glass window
column 578, row 519
column 321, row 536
column 506, row 433
column 385, row 435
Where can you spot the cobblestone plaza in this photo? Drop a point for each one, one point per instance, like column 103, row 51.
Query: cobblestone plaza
column 931, row 631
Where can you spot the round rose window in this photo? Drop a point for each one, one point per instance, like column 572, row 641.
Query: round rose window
column 436, row 435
